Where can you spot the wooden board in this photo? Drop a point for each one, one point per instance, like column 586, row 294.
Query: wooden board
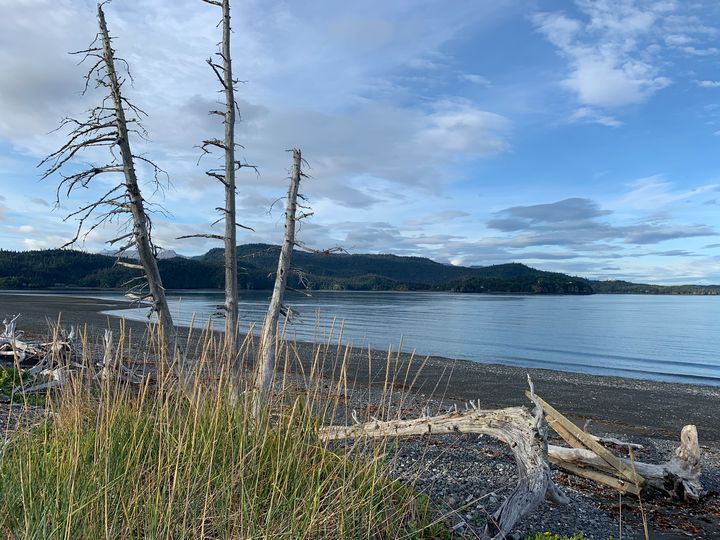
column 597, row 476
column 577, row 435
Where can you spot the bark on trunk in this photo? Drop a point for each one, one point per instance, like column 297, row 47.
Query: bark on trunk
column 231, row 279
column 141, row 233
column 515, row 426
column 268, row 336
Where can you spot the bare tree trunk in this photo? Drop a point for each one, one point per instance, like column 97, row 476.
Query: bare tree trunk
column 231, row 279
column 268, row 336
column 224, row 74
column 141, row 234
column 106, row 125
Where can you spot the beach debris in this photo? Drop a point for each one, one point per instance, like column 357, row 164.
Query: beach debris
column 48, row 365
column 524, row 432
column 610, row 440
column 526, row 435
column 14, row 348
column 678, row 478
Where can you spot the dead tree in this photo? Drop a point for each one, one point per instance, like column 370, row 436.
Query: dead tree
column 523, row 432
column 226, row 177
column 268, row 335
column 107, row 125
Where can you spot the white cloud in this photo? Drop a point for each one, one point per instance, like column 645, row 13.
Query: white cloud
column 43, row 243
column 461, row 128
column 604, row 83
column 710, row 51
column 614, row 53
column 708, row 84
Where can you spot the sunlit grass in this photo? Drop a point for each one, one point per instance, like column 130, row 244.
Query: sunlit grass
column 180, row 459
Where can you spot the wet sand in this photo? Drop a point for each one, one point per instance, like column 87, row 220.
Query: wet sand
column 613, row 404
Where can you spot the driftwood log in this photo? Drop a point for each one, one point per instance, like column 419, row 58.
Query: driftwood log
column 523, row 432
column 679, row 478
column 47, row 365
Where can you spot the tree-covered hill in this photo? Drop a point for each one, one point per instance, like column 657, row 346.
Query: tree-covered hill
column 626, row 287
column 335, row 271
column 518, row 278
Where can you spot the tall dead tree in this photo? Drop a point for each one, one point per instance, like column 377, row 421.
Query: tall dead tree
column 226, row 177
column 269, row 334
column 108, row 125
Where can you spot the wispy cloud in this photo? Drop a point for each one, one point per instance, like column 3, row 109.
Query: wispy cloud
column 654, row 192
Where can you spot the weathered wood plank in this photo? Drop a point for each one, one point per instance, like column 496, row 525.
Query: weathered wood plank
column 590, row 442
column 591, row 474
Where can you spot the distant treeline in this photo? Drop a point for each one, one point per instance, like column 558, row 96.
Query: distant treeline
column 625, row 287
column 335, row 271
column 257, row 262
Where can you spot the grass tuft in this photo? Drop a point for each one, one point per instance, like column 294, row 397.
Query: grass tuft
column 178, row 461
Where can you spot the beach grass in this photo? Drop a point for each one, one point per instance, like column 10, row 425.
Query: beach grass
column 185, row 457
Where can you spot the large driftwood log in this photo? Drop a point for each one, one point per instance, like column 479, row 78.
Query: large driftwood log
column 678, row 478
column 515, row 426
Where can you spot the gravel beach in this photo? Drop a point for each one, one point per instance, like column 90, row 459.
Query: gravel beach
column 466, row 475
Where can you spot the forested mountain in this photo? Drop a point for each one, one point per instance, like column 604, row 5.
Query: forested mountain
column 336, row 271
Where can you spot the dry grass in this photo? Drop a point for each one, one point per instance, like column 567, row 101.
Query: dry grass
column 183, row 457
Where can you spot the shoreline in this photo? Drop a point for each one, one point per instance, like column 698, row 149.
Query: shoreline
column 612, row 403
column 39, row 292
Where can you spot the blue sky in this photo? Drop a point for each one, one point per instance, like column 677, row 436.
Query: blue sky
column 578, row 136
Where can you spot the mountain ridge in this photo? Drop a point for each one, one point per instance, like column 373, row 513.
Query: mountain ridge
column 326, row 271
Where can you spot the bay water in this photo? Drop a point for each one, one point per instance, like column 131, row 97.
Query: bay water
column 668, row 338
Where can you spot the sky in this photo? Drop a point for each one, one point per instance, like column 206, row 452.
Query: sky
column 574, row 136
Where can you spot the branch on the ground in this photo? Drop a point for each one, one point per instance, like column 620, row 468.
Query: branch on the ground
column 679, row 477
column 523, row 432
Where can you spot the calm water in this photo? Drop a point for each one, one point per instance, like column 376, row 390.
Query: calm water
column 672, row 338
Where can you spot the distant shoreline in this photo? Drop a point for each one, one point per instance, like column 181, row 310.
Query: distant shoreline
column 488, row 293
column 616, row 404
column 44, row 269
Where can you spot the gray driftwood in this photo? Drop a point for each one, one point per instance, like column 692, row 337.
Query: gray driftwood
column 53, row 362
column 522, row 431
column 678, row 478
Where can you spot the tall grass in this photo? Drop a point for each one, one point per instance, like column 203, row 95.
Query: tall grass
column 183, row 457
